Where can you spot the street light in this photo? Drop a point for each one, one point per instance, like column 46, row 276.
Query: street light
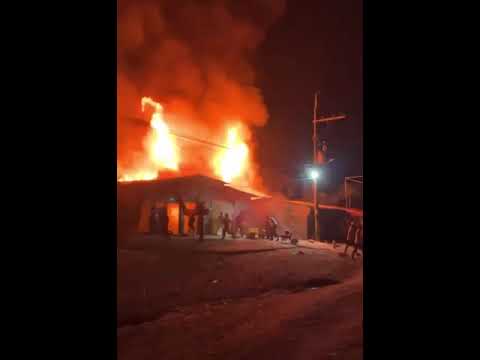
column 314, row 174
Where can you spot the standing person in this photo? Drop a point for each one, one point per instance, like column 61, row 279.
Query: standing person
column 201, row 212
column 352, row 228
column 182, row 213
column 191, row 224
column 226, row 225
column 311, row 224
column 219, row 224
column 358, row 241
column 274, row 228
column 241, row 223
column 238, row 225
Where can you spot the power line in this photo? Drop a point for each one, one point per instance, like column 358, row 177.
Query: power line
column 182, row 136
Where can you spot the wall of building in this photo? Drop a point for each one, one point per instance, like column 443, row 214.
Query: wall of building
column 291, row 217
column 136, row 200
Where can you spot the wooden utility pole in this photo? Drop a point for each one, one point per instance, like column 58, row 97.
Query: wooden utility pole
column 315, row 158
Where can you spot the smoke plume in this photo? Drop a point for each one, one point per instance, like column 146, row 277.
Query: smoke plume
column 195, row 57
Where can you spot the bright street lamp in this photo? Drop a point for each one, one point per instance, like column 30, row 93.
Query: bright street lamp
column 314, row 174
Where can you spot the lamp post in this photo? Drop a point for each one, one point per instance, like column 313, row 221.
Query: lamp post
column 315, row 158
column 314, row 174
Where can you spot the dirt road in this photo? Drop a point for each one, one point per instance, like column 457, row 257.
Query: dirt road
column 235, row 301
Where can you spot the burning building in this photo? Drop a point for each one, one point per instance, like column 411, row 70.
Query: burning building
column 136, row 198
column 194, row 59
column 185, row 74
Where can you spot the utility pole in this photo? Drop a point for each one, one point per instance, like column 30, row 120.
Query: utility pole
column 315, row 158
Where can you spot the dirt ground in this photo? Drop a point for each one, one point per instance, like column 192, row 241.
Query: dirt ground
column 238, row 299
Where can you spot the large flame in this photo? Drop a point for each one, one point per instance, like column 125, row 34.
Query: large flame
column 161, row 147
column 162, row 152
column 232, row 162
column 161, row 144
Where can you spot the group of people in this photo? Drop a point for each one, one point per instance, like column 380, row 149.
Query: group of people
column 237, row 226
column 159, row 225
column 196, row 222
column 231, row 226
column 159, row 219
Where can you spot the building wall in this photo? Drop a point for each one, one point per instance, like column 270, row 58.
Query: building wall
column 291, row 217
column 136, row 200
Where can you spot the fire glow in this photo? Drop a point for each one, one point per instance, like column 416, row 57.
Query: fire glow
column 162, row 153
column 232, row 162
column 161, row 144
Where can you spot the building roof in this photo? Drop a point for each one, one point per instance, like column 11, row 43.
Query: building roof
column 192, row 187
column 255, row 195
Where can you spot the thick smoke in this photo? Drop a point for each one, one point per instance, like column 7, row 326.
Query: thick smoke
column 195, row 57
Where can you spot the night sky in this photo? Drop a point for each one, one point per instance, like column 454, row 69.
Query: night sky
column 316, row 45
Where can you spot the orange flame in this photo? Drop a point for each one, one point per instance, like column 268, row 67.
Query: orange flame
column 231, row 163
column 138, row 175
column 161, row 144
column 162, row 152
column 161, row 147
